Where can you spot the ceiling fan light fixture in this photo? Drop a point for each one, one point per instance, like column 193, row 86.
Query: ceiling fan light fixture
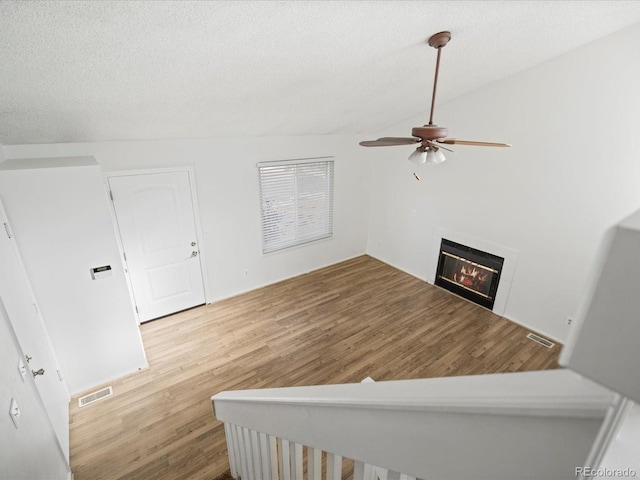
column 434, row 156
column 418, row 157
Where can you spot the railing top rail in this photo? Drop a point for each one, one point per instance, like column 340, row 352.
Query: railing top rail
column 542, row 393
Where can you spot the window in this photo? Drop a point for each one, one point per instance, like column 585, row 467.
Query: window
column 296, row 201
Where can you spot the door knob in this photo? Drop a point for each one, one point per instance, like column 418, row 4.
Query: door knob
column 37, row 372
column 193, row 244
column 194, row 253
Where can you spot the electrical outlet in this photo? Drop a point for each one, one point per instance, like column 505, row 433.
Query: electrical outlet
column 22, row 368
column 246, row 272
column 14, row 412
column 569, row 321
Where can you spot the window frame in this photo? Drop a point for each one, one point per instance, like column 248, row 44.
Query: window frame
column 296, row 202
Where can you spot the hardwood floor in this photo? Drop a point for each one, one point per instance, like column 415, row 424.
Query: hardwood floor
column 340, row 324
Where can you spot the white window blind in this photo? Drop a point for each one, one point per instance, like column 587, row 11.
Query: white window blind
column 296, row 199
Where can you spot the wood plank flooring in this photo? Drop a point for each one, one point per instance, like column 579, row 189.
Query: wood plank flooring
column 339, row 324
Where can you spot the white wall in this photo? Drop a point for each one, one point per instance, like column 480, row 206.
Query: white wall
column 227, row 189
column 60, row 218
column 573, row 171
column 30, row 452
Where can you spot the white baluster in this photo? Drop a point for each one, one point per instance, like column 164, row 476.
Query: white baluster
column 314, row 464
column 285, row 463
column 296, row 462
column 255, row 449
column 406, row 477
column 264, row 456
column 334, row 467
column 273, row 457
column 228, row 433
column 363, row 471
column 243, row 452
column 391, row 475
column 380, row 473
column 246, row 437
column 370, row 472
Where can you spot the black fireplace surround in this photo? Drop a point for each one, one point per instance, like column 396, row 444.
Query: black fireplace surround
column 469, row 273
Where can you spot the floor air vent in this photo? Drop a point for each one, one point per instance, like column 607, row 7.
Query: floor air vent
column 540, row 340
column 95, row 396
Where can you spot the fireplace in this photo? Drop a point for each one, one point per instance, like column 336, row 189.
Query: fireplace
column 469, row 273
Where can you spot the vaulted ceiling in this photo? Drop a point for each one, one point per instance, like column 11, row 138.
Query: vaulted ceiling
column 76, row 71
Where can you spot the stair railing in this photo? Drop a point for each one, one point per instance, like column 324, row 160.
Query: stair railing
column 503, row 426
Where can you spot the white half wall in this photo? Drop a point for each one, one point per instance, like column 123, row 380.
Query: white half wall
column 59, row 213
column 573, row 171
column 603, row 344
column 623, row 451
column 227, row 189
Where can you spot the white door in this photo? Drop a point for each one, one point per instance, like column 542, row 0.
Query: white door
column 22, row 309
column 156, row 220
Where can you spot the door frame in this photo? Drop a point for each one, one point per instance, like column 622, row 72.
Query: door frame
column 196, row 214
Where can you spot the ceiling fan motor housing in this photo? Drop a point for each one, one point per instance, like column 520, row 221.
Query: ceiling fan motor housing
column 429, row 132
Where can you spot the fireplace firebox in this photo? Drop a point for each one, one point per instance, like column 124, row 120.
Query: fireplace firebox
column 469, row 273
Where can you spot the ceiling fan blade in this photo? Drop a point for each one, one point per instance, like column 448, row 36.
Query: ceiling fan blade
column 455, row 141
column 390, row 141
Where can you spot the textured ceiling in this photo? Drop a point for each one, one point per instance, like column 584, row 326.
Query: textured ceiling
column 114, row 70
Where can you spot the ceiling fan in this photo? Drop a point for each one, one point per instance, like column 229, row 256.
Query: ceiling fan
column 431, row 138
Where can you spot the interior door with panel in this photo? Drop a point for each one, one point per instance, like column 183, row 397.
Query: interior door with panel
column 156, row 221
column 40, row 361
